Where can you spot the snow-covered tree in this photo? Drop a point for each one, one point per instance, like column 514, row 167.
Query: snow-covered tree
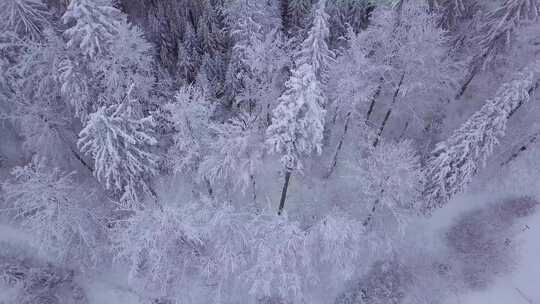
column 353, row 86
column 202, row 240
column 130, row 62
column 266, row 61
column 281, row 266
column 297, row 14
column 250, row 22
column 116, row 56
column 75, row 85
column 298, row 121
column 27, row 18
column 497, row 31
column 452, row 11
column 500, row 24
column 93, row 26
column 314, row 50
column 190, row 116
column 189, row 57
column 337, row 241
column 161, row 245
column 413, row 55
column 48, row 204
column 236, row 154
column 36, row 110
column 392, row 182
column 344, row 14
column 120, row 144
column 456, row 160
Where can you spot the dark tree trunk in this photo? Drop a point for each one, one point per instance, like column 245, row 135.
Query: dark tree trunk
column 369, row 218
column 522, row 148
column 467, row 82
column 389, row 112
column 339, row 146
column 476, row 67
column 253, row 188
column 75, row 153
column 284, row 191
column 285, row 20
column 209, row 187
column 374, row 99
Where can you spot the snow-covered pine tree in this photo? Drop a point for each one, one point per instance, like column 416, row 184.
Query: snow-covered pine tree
column 346, row 14
column 105, row 55
column 189, row 57
column 130, row 63
column 298, row 121
column 314, row 50
column 456, row 160
column 250, row 22
column 50, row 206
column 93, row 25
column 27, row 18
column 120, row 143
column 297, row 14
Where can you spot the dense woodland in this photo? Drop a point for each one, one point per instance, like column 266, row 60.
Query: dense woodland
column 265, row 151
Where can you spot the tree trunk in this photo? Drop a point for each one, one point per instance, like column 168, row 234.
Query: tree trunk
column 522, row 149
column 369, row 218
column 75, row 154
column 285, row 20
column 467, row 82
column 339, row 146
column 477, row 64
column 209, row 187
column 389, row 112
column 404, row 130
column 284, row 191
column 253, row 188
column 374, row 99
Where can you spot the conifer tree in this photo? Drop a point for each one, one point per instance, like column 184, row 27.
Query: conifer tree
column 314, row 50
column 120, row 144
column 456, row 160
column 94, row 25
column 298, row 122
